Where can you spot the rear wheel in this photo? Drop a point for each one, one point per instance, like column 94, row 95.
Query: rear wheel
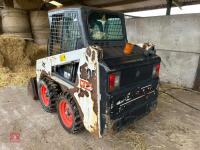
column 48, row 94
column 68, row 114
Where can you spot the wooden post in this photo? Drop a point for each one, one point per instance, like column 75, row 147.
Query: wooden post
column 8, row 3
column 169, row 5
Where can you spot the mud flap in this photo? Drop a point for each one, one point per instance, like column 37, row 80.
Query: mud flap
column 32, row 88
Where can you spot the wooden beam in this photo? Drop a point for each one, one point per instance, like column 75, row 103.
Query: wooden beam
column 104, row 4
column 112, row 4
column 8, row 3
column 197, row 80
column 156, row 7
column 72, row 2
column 122, row 2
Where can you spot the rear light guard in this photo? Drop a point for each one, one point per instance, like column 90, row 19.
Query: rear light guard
column 156, row 71
column 114, row 81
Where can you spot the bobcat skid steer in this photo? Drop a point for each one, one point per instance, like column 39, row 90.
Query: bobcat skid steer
column 93, row 78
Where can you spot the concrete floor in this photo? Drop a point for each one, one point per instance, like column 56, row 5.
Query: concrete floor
column 172, row 125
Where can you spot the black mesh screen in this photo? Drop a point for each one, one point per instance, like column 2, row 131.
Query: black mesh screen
column 103, row 26
column 65, row 33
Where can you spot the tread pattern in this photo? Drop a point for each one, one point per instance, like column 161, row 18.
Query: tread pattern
column 54, row 92
column 77, row 125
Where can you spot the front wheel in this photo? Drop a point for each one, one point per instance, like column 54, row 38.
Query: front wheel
column 68, row 114
column 48, row 94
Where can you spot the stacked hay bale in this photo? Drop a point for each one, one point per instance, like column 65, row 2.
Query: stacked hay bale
column 11, row 49
column 17, row 60
column 18, row 54
column 0, row 23
column 40, row 26
column 28, row 4
column 16, row 22
column 34, row 51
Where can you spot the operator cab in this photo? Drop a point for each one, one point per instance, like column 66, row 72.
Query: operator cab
column 76, row 28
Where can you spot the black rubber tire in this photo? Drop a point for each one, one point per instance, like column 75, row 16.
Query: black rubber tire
column 53, row 91
column 77, row 124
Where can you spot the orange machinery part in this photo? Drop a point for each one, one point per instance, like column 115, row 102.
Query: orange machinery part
column 128, row 48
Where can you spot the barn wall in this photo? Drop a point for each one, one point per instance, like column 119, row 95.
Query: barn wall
column 177, row 40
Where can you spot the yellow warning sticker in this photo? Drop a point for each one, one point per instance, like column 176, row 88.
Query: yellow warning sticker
column 62, row 57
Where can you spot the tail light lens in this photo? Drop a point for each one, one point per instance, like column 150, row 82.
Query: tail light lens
column 114, row 81
column 156, row 70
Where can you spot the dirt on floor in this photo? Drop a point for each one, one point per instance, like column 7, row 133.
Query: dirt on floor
column 17, row 59
column 173, row 125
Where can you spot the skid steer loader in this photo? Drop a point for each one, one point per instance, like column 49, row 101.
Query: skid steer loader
column 92, row 76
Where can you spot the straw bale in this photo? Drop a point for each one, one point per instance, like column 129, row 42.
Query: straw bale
column 17, row 59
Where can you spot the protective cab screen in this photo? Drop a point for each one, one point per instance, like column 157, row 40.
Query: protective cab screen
column 104, row 26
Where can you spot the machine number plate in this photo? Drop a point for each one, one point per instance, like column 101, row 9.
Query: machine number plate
column 85, row 85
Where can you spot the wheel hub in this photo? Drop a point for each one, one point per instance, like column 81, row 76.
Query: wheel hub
column 44, row 95
column 66, row 113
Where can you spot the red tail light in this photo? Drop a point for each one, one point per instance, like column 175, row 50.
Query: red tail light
column 156, row 70
column 114, row 80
